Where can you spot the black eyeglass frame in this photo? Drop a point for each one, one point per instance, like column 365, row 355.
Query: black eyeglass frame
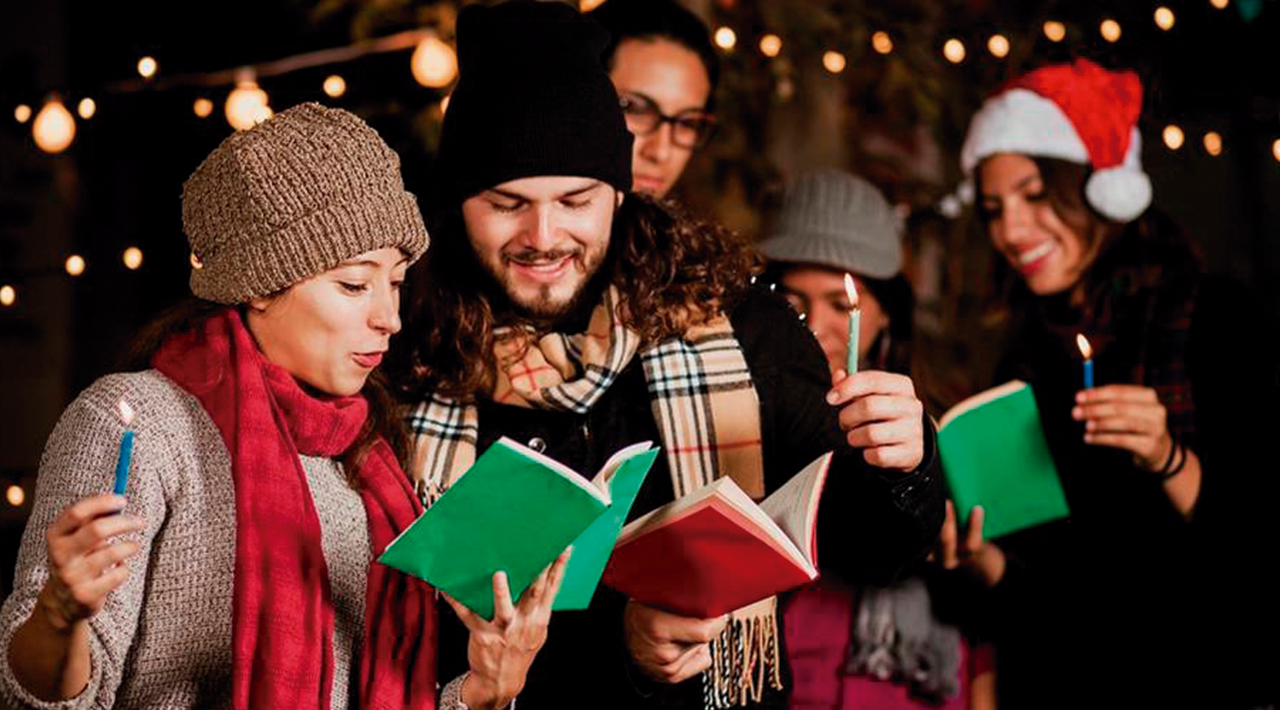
column 650, row 112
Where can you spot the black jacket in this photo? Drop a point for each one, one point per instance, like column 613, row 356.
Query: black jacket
column 872, row 522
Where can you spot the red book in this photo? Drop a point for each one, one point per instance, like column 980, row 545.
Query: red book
column 715, row 550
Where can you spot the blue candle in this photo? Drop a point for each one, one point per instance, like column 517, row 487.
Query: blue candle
column 126, row 449
column 855, row 326
column 1087, row 351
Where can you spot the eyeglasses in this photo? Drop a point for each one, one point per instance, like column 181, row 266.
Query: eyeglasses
column 689, row 129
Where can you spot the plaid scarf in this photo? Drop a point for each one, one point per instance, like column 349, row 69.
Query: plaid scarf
column 708, row 416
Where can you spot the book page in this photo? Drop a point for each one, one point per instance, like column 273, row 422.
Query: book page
column 794, row 506
column 610, row 467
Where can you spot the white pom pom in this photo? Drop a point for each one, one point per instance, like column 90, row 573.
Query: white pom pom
column 1120, row 194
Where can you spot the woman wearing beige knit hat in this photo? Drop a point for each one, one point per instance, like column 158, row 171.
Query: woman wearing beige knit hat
column 233, row 567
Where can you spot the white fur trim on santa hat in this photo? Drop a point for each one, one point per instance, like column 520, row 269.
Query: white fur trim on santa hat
column 1124, row 192
column 1021, row 121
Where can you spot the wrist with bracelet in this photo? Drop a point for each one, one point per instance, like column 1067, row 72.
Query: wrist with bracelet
column 1176, row 452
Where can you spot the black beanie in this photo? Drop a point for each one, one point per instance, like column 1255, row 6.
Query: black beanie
column 533, row 99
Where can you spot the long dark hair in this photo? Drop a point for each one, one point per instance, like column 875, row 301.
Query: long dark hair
column 650, row 20
column 385, row 418
column 668, row 269
column 1128, row 258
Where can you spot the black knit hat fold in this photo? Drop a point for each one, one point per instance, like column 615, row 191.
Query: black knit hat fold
column 533, row 99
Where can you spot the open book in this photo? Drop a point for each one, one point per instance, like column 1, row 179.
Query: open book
column 516, row 510
column 716, row 550
column 994, row 454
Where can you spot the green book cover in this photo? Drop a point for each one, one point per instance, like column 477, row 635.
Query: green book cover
column 994, row 454
column 514, row 510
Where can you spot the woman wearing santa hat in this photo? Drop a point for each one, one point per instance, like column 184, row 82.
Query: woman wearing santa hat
column 1133, row 597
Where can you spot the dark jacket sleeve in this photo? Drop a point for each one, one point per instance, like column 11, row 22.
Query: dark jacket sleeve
column 872, row 522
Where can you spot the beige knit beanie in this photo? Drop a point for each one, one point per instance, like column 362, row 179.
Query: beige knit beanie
column 293, row 197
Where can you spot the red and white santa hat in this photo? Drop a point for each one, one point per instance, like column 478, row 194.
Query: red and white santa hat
column 1078, row 112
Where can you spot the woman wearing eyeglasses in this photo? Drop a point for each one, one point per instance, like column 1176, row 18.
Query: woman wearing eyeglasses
column 665, row 69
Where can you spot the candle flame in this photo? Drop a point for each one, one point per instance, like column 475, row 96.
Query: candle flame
column 1085, row 349
column 850, row 291
column 126, row 412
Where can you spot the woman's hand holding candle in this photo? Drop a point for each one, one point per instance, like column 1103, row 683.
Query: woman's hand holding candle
column 881, row 415
column 84, row 565
column 1128, row 417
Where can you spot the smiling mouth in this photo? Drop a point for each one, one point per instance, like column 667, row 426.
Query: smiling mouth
column 1029, row 259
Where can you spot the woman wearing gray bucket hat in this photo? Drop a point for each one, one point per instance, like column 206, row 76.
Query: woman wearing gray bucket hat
column 880, row 647
column 266, row 470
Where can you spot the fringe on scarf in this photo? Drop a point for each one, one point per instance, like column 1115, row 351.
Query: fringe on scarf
column 744, row 658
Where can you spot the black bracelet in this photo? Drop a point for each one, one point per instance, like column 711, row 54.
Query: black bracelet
column 1182, row 463
column 1163, row 471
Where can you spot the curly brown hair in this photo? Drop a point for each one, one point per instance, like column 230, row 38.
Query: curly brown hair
column 669, row 269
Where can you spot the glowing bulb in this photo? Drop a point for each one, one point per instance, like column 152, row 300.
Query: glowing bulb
column 998, row 45
column 335, row 86
column 834, row 62
column 444, row 104
column 954, row 51
column 726, row 38
column 247, row 105
column 86, row 108
column 54, row 128
column 1110, row 30
column 147, row 67
column 1164, row 18
column 1219, row 4
column 1173, row 136
column 203, row 107
column 22, row 113
column 770, row 45
column 1275, row 149
column 589, row 5
column 434, row 63
column 1213, row 143
column 132, row 258
column 8, row 295
column 881, row 42
column 1055, row 31
column 75, row 265
column 15, row 495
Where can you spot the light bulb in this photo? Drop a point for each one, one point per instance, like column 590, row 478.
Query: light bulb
column 434, row 63
column 54, row 128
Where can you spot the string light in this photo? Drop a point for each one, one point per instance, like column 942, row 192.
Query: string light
column 833, row 61
column 726, row 38
column 434, row 63
column 1275, row 149
column 998, row 45
column 8, row 295
column 203, row 107
column 22, row 113
column 1110, row 30
column 247, row 105
column 15, row 495
column 589, row 5
column 770, row 45
column 75, row 265
column 1213, row 143
column 335, row 86
column 86, row 108
column 132, row 258
column 1173, row 136
column 954, row 51
column 1055, row 31
column 881, row 42
column 1164, row 18
column 1219, row 4
column 147, row 67
column 54, row 128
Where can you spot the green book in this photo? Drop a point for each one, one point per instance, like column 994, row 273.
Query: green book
column 994, row 454
column 516, row 510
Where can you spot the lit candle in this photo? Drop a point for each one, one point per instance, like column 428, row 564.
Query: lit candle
column 855, row 325
column 126, row 448
column 1087, row 351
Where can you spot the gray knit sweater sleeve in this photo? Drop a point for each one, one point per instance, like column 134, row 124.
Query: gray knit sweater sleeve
column 79, row 462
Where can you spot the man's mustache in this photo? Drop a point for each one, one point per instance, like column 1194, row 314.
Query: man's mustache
column 531, row 257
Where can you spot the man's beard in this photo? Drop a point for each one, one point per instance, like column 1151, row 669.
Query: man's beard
column 543, row 306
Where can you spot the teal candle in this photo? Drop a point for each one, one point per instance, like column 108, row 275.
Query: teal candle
column 1087, row 351
column 855, row 326
column 122, row 462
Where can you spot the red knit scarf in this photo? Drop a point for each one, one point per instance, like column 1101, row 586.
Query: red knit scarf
column 283, row 618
